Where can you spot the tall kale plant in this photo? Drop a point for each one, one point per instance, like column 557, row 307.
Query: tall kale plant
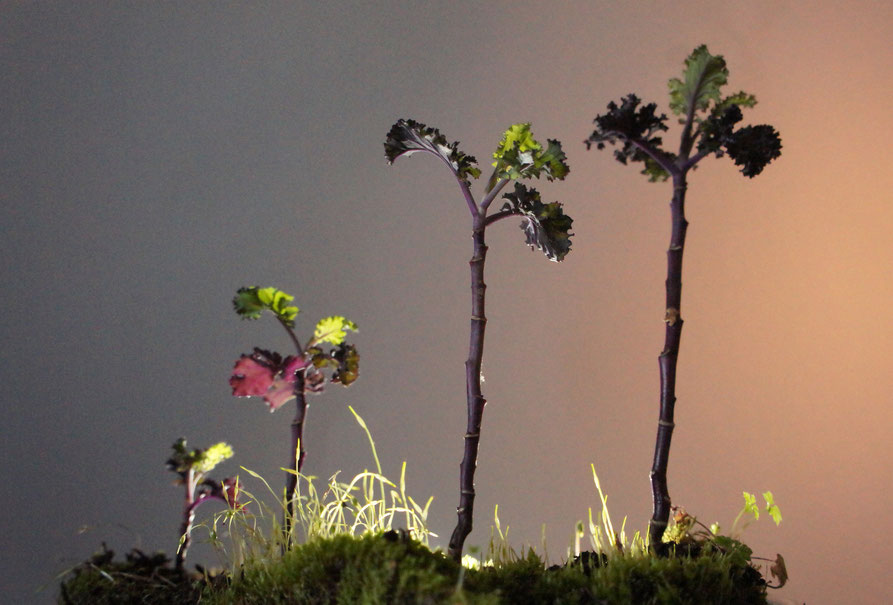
column 709, row 127
column 518, row 157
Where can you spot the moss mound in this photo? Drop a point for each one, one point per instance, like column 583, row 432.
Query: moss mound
column 391, row 568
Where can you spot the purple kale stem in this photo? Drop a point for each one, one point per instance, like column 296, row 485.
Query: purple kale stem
column 188, row 519
column 667, row 362
column 297, row 453
column 476, row 400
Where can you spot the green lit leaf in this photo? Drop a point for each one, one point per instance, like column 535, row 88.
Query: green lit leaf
column 517, row 138
column 250, row 302
column 199, row 460
column 408, row 136
column 519, row 156
column 209, row 458
column 552, row 161
column 704, row 75
column 633, row 127
column 333, row 330
column 772, row 508
column 741, row 99
column 545, row 225
column 750, row 505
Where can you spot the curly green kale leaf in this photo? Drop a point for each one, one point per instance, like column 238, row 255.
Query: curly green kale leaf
column 545, row 225
column 741, row 99
column 704, row 75
column 519, row 155
column 634, row 127
column 332, row 330
column 408, row 136
column 250, row 302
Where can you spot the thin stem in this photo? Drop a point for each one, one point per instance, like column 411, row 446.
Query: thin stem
column 695, row 159
column 469, row 199
column 296, row 453
column 667, row 362
column 498, row 216
column 188, row 519
column 656, row 155
column 293, row 336
column 475, row 399
column 491, row 195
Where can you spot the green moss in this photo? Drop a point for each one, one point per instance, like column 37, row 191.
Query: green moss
column 367, row 570
column 390, row 568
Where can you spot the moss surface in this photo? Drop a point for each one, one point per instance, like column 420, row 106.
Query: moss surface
column 390, row 568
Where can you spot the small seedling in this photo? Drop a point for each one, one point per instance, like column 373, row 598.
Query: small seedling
column 279, row 379
column 686, row 527
column 708, row 128
column 193, row 466
column 518, row 156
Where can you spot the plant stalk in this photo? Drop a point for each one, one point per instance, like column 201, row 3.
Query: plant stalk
column 296, row 453
column 188, row 520
column 667, row 361
column 475, row 399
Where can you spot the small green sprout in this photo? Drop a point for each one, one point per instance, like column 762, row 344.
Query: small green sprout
column 192, row 466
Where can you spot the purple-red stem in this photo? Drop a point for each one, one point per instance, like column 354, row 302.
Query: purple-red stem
column 188, row 519
column 475, row 398
column 667, row 361
column 296, row 453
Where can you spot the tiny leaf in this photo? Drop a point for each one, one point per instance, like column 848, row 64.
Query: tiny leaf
column 250, row 302
column 750, row 505
column 408, row 136
column 519, row 155
column 545, row 225
column 779, row 571
column 333, row 330
column 348, row 364
column 207, row 459
column 741, row 99
column 772, row 508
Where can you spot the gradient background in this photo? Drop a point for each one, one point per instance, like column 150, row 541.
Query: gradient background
column 155, row 157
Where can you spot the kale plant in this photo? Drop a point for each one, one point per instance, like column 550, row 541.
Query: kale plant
column 709, row 127
column 546, row 227
column 279, row 379
column 192, row 466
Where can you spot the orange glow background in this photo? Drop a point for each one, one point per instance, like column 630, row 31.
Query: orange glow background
column 159, row 158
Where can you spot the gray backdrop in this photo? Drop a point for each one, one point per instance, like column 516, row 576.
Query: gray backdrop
column 157, row 156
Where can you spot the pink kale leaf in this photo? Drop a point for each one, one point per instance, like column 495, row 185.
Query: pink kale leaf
column 265, row 374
